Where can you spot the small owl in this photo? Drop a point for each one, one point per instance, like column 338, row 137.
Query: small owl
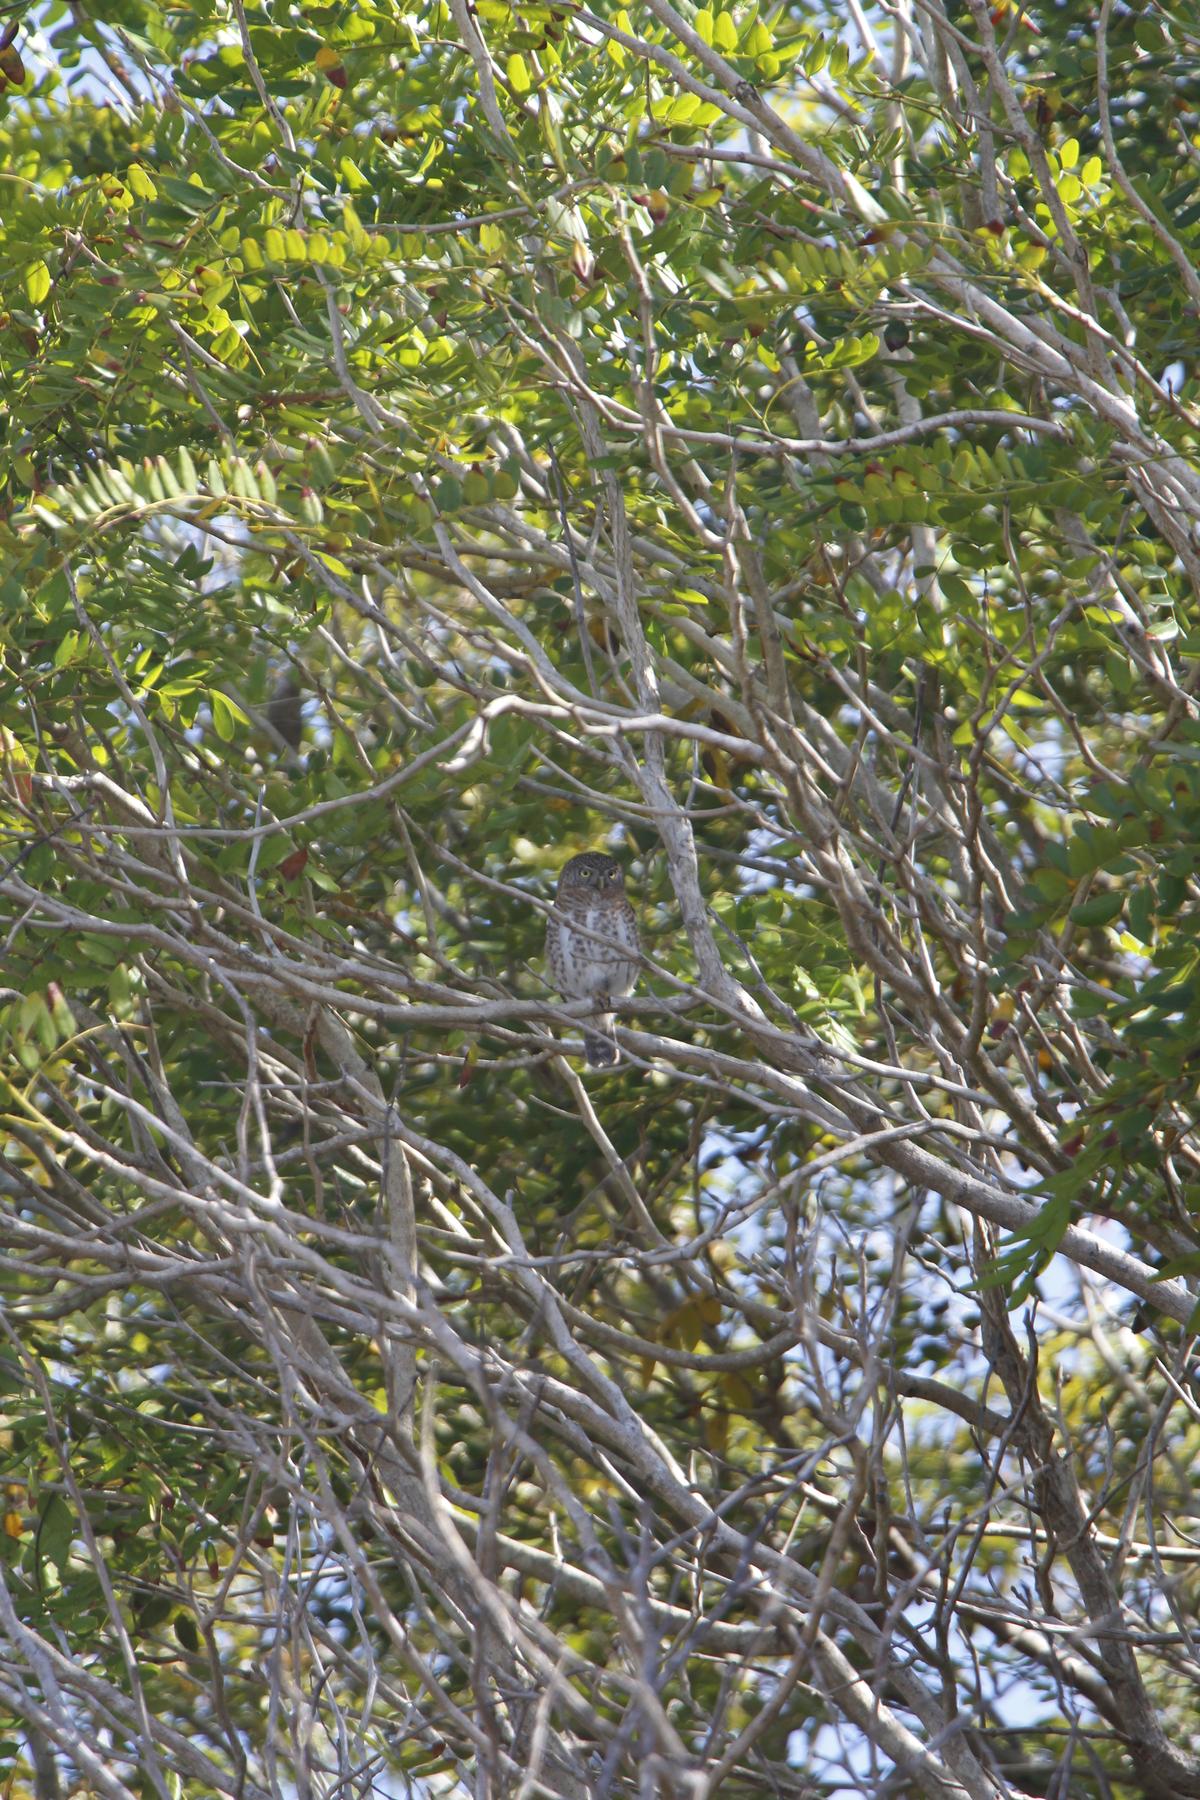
column 592, row 945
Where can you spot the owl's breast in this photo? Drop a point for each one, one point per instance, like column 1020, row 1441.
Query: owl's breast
column 588, row 952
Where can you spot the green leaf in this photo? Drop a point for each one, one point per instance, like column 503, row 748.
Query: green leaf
column 227, row 715
column 55, row 1534
column 1141, row 913
column 1099, row 909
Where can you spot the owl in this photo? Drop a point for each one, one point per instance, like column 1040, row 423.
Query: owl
column 592, row 945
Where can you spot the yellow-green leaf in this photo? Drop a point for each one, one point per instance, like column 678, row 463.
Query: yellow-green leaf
column 37, row 282
column 724, row 32
column 141, row 182
column 358, row 237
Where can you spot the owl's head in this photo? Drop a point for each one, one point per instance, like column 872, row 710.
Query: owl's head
column 595, row 871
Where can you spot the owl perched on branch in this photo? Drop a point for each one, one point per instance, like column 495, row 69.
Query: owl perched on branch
column 592, row 945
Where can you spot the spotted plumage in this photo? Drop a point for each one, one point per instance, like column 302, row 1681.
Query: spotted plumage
column 592, row 945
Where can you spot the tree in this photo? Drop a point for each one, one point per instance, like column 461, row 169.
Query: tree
column 762, row 443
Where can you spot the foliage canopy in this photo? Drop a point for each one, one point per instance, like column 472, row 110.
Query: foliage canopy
column 760, row 441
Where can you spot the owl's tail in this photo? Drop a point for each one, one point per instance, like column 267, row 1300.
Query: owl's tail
column 601, row 1052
